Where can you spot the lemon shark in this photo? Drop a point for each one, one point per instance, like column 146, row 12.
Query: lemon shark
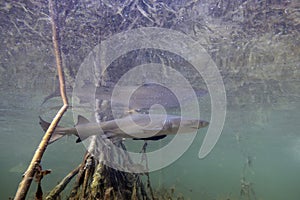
column 136, row 126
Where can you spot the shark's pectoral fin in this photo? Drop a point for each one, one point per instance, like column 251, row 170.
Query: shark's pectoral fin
column 152, row 138
column 78, row 140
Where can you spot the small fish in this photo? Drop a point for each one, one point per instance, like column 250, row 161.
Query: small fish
column 136, row 126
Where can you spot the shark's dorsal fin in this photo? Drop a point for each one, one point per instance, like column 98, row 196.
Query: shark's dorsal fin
column 82, row 120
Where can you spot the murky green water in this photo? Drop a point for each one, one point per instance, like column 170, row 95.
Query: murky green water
column 262, row 145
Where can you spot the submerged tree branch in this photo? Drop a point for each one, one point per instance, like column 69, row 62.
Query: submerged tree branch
column 55, row 40
column 61, row 186
column 32, row 168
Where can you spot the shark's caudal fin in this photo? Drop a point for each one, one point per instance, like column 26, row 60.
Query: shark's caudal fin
column 56, row 135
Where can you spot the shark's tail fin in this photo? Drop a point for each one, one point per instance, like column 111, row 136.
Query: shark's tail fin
column 55, row 135
column 45, row 125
